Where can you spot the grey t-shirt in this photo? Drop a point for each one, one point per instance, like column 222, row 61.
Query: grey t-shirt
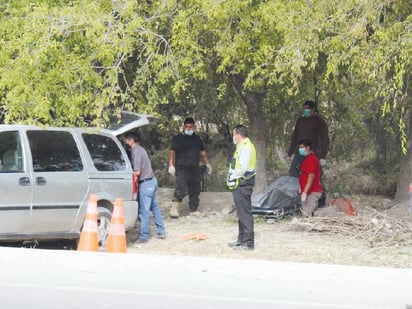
column 141, row 162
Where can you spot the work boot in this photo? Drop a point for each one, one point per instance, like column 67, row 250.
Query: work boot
column 174, row 210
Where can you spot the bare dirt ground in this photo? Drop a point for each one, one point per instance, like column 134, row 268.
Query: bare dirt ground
column 274, row 240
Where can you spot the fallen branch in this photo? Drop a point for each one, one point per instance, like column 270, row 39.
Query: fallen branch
column 378, row 229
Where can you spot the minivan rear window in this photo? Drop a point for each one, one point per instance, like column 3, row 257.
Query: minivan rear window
column 105, row 153
column 54, row 151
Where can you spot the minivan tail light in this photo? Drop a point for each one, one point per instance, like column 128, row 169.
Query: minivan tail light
column 135, row 180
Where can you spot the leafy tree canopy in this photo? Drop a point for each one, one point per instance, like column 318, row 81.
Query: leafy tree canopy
column 73, row 62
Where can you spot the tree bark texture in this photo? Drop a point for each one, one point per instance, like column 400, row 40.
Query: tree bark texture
column 257, row 128
column 405, row 175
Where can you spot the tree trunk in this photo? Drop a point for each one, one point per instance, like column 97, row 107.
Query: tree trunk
column 405, row 175
column 257, row 128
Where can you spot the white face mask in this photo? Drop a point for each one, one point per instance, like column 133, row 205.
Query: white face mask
column 189, row 132
column 234, row 140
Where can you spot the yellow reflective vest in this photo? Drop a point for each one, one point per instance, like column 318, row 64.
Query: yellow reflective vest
column 252, row 163
column 235, row 164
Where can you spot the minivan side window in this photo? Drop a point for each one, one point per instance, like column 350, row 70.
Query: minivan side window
column 105, row 153
column 54, row 151
column 11, row 157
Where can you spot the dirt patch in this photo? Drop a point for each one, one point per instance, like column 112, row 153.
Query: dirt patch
column 274, row 240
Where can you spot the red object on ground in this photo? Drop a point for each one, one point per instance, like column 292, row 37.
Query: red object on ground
column 344, row 205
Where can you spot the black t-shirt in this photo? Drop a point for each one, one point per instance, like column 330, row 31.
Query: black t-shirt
column 187, row 150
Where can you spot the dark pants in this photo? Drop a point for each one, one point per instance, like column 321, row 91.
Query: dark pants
column 243, row 204
column 188, row 182
column 294, row 170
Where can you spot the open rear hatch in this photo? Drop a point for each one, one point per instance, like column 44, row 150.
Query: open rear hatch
column 129, row 121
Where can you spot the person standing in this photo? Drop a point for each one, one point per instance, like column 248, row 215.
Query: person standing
column 313, row 127
column 186, row 151
column 241, row 179
column 148, row 186
column 309, row 178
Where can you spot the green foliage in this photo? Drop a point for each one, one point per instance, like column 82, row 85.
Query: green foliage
column 370, row 48
column 62, row 61
column 69, row 62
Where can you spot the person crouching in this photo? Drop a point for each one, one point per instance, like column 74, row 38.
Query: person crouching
column 309, row 178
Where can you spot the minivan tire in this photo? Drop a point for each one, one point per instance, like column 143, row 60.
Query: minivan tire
column 104, row 217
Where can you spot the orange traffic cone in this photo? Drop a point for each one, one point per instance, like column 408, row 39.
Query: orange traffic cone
column 89, row 238
column 116, row 241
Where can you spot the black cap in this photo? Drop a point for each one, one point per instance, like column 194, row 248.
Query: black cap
column 189, row 120
column 309, row 103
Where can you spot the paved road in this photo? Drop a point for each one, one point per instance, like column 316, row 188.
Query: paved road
column 32, row 278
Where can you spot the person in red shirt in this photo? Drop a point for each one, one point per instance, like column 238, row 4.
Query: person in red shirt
column 309, row 178
column 313, row 127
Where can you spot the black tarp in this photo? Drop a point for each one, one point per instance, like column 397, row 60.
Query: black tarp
column 281, row 197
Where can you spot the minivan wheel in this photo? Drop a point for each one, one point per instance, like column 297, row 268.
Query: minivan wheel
column 104, row 216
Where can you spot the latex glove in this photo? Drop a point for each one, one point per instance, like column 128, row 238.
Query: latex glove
column 231, row 182
column 209, row 169
column 171, row 170
column 322, row 162
column 303, row 197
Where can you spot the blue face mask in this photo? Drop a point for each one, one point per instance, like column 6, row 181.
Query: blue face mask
column 189, row 132
column 302, row 152
column 306, row 112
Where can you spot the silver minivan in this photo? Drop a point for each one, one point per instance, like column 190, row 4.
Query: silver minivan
column 48, row 174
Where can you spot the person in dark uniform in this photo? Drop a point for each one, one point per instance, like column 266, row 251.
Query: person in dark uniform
column 314, row 128
column 186, row 151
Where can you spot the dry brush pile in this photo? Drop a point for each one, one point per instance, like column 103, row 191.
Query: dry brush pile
column 378, row 229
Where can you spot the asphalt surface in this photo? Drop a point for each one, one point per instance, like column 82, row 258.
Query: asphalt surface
column 35, row 278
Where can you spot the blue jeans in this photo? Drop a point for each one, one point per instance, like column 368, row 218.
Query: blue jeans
column 147, row 203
